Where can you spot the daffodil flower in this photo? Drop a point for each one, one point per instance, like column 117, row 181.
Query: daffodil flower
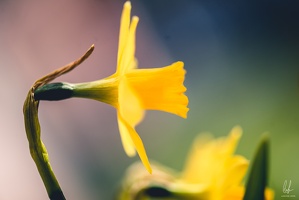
column 213, row 163
column 212, row 172
column 131, row 90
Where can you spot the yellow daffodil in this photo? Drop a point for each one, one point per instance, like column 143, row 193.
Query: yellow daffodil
column 212, row 162
column 212, row 172
column 130, row 90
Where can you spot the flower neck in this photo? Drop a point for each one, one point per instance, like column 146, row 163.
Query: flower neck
column 104, row 90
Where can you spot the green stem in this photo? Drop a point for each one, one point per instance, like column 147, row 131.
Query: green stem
column 38, row 150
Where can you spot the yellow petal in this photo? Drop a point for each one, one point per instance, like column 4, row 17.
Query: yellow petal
column 237, row 193
column 199, row 167
column 124, row 30
column 130, row 106
column 234, row 193
column 210, row 160
column 269, row 194
column 137, row 143
column 227, row 174
column 161, row 88
column 126, row 138
column 232, row 141
column 234, row 171
column 127, row 35
column 128, row 60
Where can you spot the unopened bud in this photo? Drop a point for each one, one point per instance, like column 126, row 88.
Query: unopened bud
column 54, row 92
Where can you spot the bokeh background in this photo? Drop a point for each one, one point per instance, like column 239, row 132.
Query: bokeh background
column 242, row 68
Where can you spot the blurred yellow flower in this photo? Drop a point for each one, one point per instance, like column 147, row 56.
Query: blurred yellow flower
column 132, row 91
column 212, row 172
column 212, row 162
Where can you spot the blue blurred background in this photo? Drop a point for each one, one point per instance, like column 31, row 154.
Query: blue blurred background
column 242, row 68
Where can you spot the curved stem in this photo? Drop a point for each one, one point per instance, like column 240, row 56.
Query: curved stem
column 38, row 150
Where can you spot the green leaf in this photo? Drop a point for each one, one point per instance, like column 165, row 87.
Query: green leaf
column 257, row 180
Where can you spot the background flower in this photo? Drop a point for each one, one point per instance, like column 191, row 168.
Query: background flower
column 213, row 162
column 212, row 172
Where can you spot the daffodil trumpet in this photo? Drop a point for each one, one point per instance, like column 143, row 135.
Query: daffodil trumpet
column 130, row 90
